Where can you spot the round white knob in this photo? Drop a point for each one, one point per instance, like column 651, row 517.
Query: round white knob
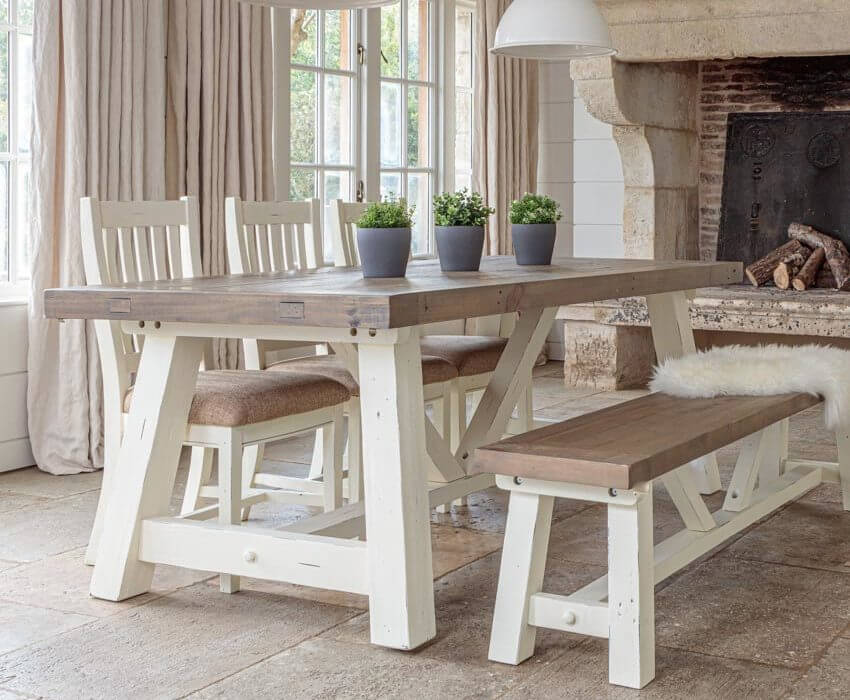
column 250, row 556
column 569, row 617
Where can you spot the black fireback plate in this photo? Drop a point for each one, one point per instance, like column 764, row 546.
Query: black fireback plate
column 782, row 168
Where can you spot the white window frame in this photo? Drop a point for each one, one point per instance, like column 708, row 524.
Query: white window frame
column 17, row 284
column 451, row 102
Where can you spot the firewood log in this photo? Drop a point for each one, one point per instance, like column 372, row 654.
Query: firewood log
column 805, row 278
column 825, row 280
column 836, row 253
column 785, row 272
column 761, row 271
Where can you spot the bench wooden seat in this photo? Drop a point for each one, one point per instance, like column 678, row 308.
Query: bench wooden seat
column 635, row 441
column 613, row 456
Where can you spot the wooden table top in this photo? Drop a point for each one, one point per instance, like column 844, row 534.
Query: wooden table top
column 341, row 298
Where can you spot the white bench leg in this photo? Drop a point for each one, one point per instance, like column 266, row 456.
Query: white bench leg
column 843, row 439
column 230, row 496
column 631, row 594
column 520, row 576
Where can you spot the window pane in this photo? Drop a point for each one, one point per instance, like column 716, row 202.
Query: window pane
column 417, row 39
column 338, row 39
column 418, row 193
column 463, row 49
column 4, row 91
column 4, row 222
column 463, row 135
column 302, row 183
column 390, row 124
column 24, row 88
column 24, row 12
column 4, row 10
column 22, row 216
column 391, row 41
column 417, row 127
column 463, row 179
column 303, row 115
column 337, row 127
column 304, row 36
column 337, row 186
column 390, row 185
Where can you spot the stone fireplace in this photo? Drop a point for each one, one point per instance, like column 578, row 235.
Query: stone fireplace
column 685, row 71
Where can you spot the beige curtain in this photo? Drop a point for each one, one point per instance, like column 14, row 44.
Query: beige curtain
column 219, row 117
column 116, row 119
column 505, row 127
column 99, row 104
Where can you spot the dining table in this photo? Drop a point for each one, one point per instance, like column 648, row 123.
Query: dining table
column 375, row 326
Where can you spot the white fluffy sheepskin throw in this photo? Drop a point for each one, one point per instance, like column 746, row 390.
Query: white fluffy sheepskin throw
column 761, row 371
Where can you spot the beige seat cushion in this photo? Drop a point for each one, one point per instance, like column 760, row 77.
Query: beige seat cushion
column 470, row 354
column 240, row 397
column 434, row 369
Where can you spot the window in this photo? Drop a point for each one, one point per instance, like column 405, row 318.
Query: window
column 407, row 111
column 16, row 79
column 464, row 80
column 323, row 99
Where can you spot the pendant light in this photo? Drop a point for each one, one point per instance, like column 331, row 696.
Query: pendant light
column 553, row 30
column 321, row 4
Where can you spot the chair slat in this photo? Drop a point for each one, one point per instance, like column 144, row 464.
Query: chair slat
column 301, row 238
column 175, row 255
column 276, row 237
column 143, row 253
column 264, row 255
column 159, row 243
column 127, row 255
column 288, row 246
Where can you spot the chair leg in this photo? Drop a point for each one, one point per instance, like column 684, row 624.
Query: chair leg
column 200, row 467
column 843, row 439
column 230, row 496
column 316, row 463
column 252, row 458
column 355, row 453
column 332, row 446
column 457, row 427
column 520, row 576
column 631, row 593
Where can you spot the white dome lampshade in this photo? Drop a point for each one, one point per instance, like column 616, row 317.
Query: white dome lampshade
column 553, row 30
column 321, row 4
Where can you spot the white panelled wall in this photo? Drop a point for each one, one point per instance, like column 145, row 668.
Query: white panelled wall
column 14, row 441
column 578, row 165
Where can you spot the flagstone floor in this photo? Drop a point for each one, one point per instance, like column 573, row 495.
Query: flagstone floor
column 767, row 616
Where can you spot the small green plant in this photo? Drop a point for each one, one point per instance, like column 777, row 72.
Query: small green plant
column 462, row 208
column 535, row 209
column 392, row 212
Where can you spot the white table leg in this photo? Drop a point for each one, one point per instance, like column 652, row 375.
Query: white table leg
column 401, row 599
column 147, row 463
column 673, row 337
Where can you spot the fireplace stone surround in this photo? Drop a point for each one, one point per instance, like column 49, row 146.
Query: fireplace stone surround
column 682, row 67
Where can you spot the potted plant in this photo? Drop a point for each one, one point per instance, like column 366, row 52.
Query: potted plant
column 383, row 238
column 533, row 219
column 459, row 219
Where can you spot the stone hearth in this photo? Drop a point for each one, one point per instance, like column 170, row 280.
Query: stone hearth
column 682, row 67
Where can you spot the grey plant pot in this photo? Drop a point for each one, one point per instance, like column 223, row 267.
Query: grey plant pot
column 384, row 252
column 459, row 247
column 533, row 243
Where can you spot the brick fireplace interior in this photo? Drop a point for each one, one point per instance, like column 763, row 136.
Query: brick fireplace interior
column 686, row 71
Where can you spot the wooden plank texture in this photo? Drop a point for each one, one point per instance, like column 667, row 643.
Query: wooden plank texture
column 635, row 441
column 340, row 297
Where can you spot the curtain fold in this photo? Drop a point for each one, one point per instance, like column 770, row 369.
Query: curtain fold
column 118, row 117
column 98, row 129
column 506, row 120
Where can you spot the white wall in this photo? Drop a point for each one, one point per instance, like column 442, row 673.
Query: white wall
column 14, row 441
column 597, row 187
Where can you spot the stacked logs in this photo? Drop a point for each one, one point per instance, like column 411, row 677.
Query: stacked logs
column 809, row 259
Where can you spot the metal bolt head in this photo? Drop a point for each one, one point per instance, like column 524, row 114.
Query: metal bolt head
column 612, row 493
column 569, row 617
column 250, row 556
column 517, row 480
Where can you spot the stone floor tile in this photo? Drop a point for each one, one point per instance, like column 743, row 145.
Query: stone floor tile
column 168, row 647
column 5, row 565
column 829, row 677
column 12, row 500
column 61, row 582
column 34, row 482
column 550, row 369
column 21, row 625
column 42, row 530
column 549, row 390
column 767, row 613
column 582, row 672
column 806, row 533
column 6, row 694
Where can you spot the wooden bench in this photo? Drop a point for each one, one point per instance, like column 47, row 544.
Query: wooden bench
column 613, row 456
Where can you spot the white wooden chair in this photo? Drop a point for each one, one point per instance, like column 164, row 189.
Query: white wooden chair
column 231, row 410
column 273, row 236
column 474, row 351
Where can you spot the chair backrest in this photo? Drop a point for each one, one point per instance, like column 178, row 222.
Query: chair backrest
column 273, row 236
column 133, row 242
column 344, row 217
